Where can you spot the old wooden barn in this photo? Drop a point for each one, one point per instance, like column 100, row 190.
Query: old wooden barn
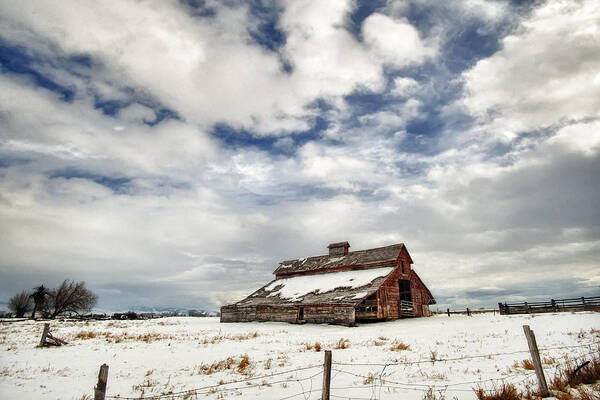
column 342, row 287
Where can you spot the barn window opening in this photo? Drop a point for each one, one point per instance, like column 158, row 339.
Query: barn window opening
column 402, row 266
column 404, row 286
column 301, row 314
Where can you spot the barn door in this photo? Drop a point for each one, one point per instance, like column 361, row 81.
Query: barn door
column 404, row 286
column 405, row 304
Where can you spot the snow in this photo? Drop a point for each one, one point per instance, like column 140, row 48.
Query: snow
column 299, row 286
column 359, row 295
column 334, row 259
column 171, row 358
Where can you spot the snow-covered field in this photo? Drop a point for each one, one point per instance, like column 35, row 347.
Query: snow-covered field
column 177, row 354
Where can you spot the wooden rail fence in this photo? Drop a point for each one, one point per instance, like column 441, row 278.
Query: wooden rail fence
column 576, row 304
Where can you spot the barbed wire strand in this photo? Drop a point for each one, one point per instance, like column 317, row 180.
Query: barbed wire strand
column 219, row 385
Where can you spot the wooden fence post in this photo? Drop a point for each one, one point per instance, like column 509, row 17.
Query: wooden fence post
column 535, row 357
column 448, row 311
column 44, row 334
column 326, row 375
column 553, row 305
column 100, row 389
column 468, row 312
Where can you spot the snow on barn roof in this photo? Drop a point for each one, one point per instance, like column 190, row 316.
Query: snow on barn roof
column 341, row 287
column 353, row 258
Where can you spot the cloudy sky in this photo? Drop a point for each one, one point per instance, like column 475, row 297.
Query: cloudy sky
column 171, row 153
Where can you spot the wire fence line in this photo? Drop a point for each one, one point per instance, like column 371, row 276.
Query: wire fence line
column 376, row 382
column 468, row 357
column 223, row 386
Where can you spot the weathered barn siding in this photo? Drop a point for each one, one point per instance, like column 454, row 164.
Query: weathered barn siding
column 281, row 313
column 318, row 314
column 234, row 313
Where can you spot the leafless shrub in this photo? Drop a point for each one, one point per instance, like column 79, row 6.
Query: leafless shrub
column 20, row 303
column 342, row 344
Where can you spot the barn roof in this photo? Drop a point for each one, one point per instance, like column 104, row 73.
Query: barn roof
column 336, row 287
column 354, row 258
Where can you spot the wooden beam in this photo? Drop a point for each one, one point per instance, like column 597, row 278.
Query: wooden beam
column 326, row 375
column 100, row 389
column 535, row 357
column 44, row 334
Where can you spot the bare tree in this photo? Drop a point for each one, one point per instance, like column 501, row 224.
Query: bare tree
column 39, row 299
column 71, row 297
column 20, row 303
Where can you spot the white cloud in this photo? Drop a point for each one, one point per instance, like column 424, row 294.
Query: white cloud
column 404, row 86
column 187, row 200
column 395, row 42
column 544, row 74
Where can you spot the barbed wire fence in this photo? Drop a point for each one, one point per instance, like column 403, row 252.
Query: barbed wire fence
column 381, row 379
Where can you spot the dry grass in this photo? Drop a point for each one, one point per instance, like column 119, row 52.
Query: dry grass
column 527, row 364
column 431, row 394
column 399, row 346
column 590, row 393
column 236, row 338
column 565, row 385
column 369, row 379
column 85, row 335
column 549, row 360
column 267, row 364
column 433, row 356
column 243, row 365
column 122, row 337
column 316, row 347
column 504, row 392
column 342, row 344
column 566, row 377
column 216, row 366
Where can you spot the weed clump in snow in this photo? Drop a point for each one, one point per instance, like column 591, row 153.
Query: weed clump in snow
column 527, row 364
column 506, row 391
column 316, row 346
column 569, row 376
column 397, row 345
column 342, row 344
column 243, row 365
column 430, row 394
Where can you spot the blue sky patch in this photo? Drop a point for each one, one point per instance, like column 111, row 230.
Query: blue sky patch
column 17, row 60
column 119, row 185
column 267, row 34
column 241, row 138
